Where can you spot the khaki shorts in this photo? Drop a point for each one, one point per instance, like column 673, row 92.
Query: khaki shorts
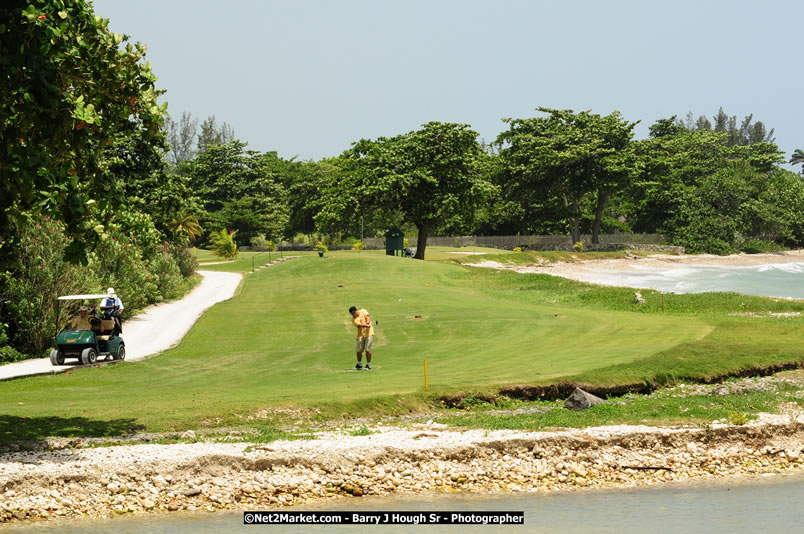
column 364, row 344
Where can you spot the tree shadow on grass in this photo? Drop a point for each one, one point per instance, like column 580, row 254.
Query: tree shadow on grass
column 29, row 429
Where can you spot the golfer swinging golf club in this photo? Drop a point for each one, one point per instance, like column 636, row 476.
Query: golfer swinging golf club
column 365, row 335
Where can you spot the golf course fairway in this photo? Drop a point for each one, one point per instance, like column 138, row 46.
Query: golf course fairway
column 286, row 339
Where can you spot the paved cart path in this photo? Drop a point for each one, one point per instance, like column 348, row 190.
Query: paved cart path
column 145, row 333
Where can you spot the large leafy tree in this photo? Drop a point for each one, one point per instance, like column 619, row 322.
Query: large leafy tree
column 567, row 156
column 305, row 184
column 776, row 211
column 239, row 189
column 429, row 176
column 68, row 86
column 671, row 163
column 135, row 162
column 674, row 163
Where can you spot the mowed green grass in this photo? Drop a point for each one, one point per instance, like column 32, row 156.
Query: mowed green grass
column 287, row 339
column 245, row 261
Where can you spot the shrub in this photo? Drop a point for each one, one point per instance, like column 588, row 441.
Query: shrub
column 738, row 418
column 517, row 249
column 713, row 234
column 269, row 245
column 358, row 246
column 140, row 273
column 166, row 273
column 578, row 247
column 186, row 262
column 258, row 241
column 41, row 275
column 321, row 247
column 759, row 246
column 362, row 430
column 8, row 353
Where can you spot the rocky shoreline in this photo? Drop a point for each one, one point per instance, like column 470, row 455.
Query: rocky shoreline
column 59, row 481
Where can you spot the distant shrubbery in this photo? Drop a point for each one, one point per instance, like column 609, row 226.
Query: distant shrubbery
column 759, row 246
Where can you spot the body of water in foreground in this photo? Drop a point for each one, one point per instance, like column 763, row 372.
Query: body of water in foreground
column 774, row 280
column 768, row 504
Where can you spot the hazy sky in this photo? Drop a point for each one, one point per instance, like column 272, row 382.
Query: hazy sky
column 309, row 77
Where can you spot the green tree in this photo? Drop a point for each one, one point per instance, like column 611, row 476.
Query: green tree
column 239, row 189
column 798, row 158
column 305, row 184
column 704, row 192
column 135, row 164
column 567, row 156
column 671, row 126
column 212, row 134
column 776, row 210
column 747, row 133
column 670, row 165
column 429, row 175
column 68, row 86
column 737, row 199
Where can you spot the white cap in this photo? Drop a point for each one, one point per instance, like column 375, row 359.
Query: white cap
column 110, row 291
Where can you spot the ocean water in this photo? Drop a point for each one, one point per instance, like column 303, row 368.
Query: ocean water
column 741, row 507
column 773, row 280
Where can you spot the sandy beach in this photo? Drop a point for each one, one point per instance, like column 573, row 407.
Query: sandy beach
column 575, row 270
column 604, row 272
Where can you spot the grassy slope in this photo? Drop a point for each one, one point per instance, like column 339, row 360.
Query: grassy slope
column 287, row 339
column 245, row 261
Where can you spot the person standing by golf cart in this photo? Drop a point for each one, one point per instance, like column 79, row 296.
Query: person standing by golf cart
column 112, row 308
column 365, row 335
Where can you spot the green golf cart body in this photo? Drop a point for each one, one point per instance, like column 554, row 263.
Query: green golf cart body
column 88, row 345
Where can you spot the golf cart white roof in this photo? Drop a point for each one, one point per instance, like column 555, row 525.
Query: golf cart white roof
column 83, row 297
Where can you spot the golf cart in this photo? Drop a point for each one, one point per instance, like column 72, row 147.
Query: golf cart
column 101, row 339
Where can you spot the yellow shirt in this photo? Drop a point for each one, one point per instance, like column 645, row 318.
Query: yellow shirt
column 363, row 324
column 81, row 323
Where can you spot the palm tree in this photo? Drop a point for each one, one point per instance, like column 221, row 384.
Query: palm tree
column 223, row 244
column 187, row 223
column 798, row 157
